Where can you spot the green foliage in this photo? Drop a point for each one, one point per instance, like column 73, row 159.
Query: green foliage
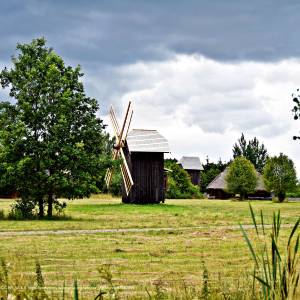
column 179, row 183
column 39, row 275
column 210, row 171
column 76, row 290
column 116, row 183
column 280, row 176
column 2, row 214
column 278, row 274
column 296, row 109
column 205, row 293
column 105, row 274
column 22, row 209
column 52, row 142
column 295, row 193
column 241, row 177
column 4, row 275
column 253, row 151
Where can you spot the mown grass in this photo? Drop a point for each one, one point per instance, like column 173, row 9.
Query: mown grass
column 138, row 260
column 98, row 212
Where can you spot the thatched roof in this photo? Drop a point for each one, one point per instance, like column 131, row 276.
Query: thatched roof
column 143, row 140
column 191, row 163
column 220, row 183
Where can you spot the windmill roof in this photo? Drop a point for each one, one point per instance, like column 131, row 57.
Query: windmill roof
column 191, row 163
column 220, row 182
column 142, row 140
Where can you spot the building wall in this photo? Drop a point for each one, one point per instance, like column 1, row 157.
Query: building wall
column 195, row 176
column 221, row 194
column 218, row 194
column 147, row 169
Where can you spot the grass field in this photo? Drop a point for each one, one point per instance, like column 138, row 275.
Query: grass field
column 139, row 260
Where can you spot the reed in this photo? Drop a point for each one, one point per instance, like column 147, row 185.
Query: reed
column 276, row 267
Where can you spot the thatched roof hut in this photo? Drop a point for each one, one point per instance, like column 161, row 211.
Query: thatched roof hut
column 218, row 188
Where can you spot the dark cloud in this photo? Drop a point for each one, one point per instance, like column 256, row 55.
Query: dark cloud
column 117, row 32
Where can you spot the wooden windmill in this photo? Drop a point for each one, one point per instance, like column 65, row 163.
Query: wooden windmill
column 142, row 153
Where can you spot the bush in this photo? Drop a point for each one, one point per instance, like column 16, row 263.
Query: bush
column 22, row 209
column 179, row 183
column 2, row 215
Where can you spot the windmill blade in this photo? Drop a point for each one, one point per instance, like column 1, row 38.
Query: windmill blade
column 125, row 122
column 108, row 176
column 109, row 171
column 114, row 123
column 127, row 178
column 124, row 137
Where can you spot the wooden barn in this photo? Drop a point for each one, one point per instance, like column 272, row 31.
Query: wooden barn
column 217, row 188
column 193, row 166
column 144, row 152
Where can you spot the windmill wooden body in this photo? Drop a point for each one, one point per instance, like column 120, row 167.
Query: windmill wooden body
column 142, row 152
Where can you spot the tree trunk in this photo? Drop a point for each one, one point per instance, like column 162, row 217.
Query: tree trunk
column 41, row 208
column 50, row 205
column 281, row 197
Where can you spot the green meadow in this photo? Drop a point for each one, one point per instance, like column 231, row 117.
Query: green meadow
column 178, row 240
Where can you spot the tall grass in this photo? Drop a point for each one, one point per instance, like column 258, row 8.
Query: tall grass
column 276, row 267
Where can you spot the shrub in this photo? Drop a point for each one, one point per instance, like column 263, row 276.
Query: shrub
column 22, row 209
column 179, row 184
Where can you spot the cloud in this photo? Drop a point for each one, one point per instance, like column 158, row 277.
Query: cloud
column 202, row 105
column 215, row 96
column 121, row 32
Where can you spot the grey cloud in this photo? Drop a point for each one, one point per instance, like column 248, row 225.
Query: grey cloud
column 117, row 32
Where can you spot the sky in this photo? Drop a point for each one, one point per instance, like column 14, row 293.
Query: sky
column 200, row 72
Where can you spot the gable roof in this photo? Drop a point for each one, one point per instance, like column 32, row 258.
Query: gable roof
column 220, row 182
column 191, row 163
column 142, row 140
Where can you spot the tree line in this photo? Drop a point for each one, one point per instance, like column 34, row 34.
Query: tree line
column 53, row 143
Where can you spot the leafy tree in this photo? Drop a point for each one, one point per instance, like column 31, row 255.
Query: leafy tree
column 52, row 143
column 296, row 109
column 179, row 183
column 241, row 177
column 210, row 171
column 280, row 176
column 252, row 150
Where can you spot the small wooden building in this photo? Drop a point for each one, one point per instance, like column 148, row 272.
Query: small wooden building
column 217, row 188
column 193, row 166
column 144, row 152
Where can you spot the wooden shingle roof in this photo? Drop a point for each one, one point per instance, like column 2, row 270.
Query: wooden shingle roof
column 191, row 163
column 142, row 140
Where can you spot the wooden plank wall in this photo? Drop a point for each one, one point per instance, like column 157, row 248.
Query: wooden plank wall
column 195, row 176
column 148, row 178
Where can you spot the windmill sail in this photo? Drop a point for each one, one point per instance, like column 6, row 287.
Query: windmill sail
column 120, row 142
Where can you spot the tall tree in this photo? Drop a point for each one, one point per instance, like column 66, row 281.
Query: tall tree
column 241, row 177
column 210, row 171
column 53, row 144
column 280, row 176
column 296, row 109
column 252, row 150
